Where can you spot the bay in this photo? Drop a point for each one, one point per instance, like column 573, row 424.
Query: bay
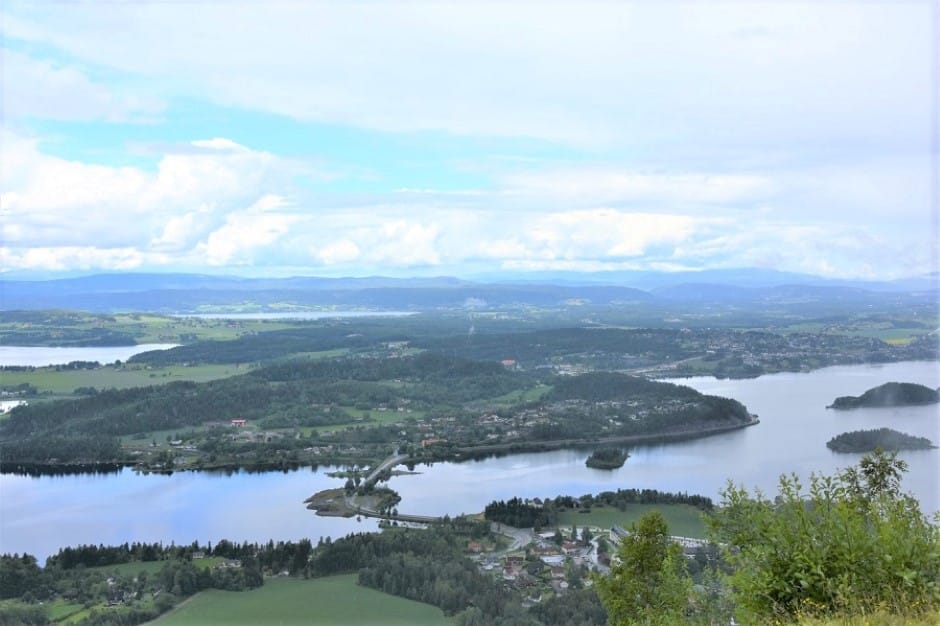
column 39, row 515
column 791, row 437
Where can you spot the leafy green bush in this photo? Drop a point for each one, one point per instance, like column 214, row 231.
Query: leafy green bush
column 854, row 545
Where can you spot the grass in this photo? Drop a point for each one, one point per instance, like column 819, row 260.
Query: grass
column 149, row 328
column 320, row 354
column 878, row 619
column 684, row 520
column 63, row 612
column 335, row 600
column 894, row 332
column 64, row 383
column 523, row 395
column 375, row 418
column 150, row 567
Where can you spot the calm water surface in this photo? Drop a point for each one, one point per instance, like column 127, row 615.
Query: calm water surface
column 41, row 356
column 792, row 436
column 39, row 515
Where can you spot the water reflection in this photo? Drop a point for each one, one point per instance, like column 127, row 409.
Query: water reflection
column 41, row 514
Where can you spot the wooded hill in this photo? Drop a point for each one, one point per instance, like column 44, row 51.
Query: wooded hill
column 889, row 394
column 464, row 402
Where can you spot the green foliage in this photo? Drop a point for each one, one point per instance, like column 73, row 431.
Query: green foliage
column 650, row 584
column 890, row 394
column 871, row 440
column 18, row 575
column 516, row 512
column 855, row 544
column 578, row 607
column 607, row 458
column 20, row 614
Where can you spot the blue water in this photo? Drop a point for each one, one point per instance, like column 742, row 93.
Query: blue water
column 39, row 515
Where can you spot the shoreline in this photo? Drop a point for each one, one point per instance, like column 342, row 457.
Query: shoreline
column 459, row 455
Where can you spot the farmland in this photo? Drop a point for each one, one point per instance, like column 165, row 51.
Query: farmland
column 332, row 600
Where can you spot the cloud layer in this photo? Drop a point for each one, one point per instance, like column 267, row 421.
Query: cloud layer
column 641, row 135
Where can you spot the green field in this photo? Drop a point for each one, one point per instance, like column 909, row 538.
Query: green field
column 143, row 327
column 523, row 395
column 895, row 332
column 64, row 612
column 360, row 417
column 49, row 380
column 684, row 520
column 151, row 567
column 335, row 600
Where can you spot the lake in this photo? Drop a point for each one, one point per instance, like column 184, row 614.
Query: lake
column 792, row 436
column 41, row 356
column 39, row 515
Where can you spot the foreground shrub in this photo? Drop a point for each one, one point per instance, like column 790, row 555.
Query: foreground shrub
column 855, row 545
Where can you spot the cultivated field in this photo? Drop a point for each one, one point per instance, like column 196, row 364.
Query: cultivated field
column 684, row 520
column 335, row 600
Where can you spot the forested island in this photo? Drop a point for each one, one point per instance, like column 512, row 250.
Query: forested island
column 883, row 438
column 607, row 458
column 889, row 395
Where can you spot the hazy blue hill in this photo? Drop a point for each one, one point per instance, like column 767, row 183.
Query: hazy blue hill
column 172, row 293
column 888, row 395
column 706, row 292
column 145, row 292
column 737, row 277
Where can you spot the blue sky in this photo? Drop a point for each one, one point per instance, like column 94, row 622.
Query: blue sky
column 411, row 138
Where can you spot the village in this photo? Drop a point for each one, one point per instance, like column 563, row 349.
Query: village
column 554, row 561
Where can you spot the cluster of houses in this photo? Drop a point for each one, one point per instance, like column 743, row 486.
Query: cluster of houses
column 546, row 564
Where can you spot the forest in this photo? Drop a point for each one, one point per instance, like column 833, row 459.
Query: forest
column 336, row 404
column 877, row 438
column 887, row 395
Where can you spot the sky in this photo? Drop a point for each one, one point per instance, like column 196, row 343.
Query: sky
column 468, row 138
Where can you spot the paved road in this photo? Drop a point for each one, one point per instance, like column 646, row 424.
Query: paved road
column 390, row 462
column 519, row 537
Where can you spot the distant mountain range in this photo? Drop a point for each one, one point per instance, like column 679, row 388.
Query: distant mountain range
column 179, row 293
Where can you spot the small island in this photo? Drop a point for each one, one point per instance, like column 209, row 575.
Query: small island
column 607, row 458
column 889, row 395
column 883, row 438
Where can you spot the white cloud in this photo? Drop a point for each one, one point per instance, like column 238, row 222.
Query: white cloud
column 603, row 185
column 342, row 251
column 590, row 235
column 729, row 74
column 242, row 236
column 76, row 257
column 43, row 89
column 57, row 202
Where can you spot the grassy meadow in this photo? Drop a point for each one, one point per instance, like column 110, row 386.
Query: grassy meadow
column 64, row 382
column 335, row 600
column 684, row 520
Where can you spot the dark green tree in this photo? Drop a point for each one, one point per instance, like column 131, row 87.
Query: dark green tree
column 649, row 584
